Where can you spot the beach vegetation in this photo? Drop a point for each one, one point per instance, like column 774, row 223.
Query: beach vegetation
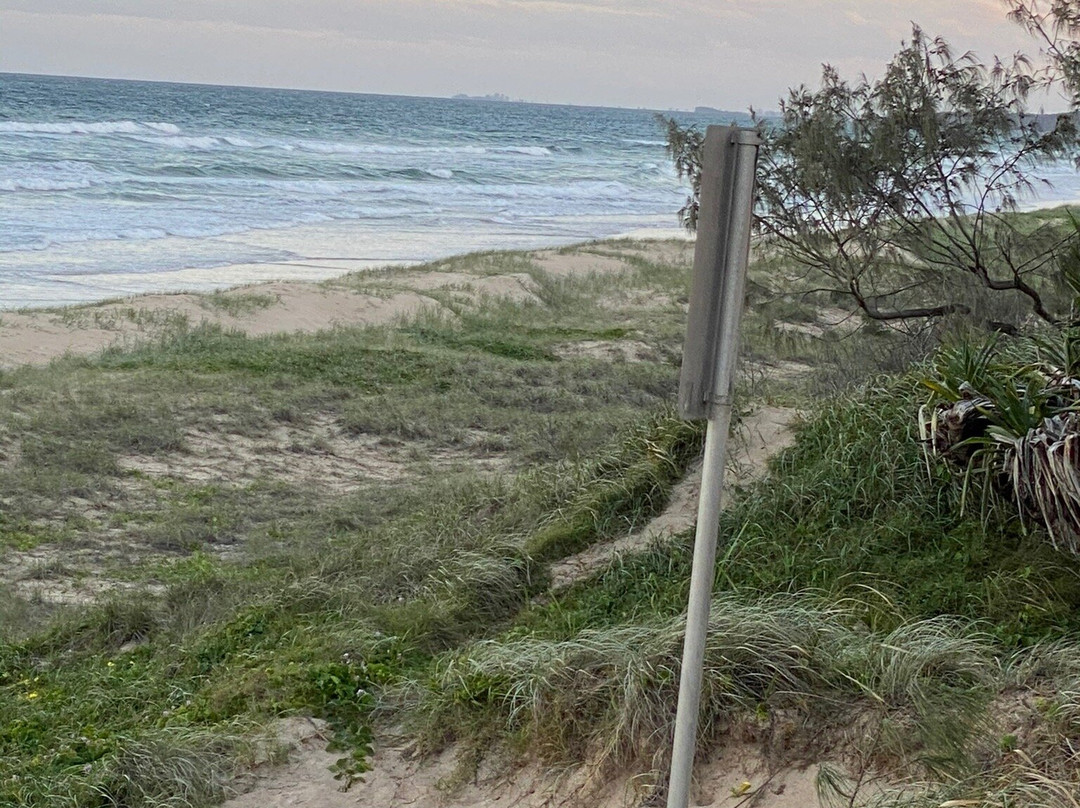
column 237, row 304
column 901, row 192
column 362, row 525
column 1054, row 25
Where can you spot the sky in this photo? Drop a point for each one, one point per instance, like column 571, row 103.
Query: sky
column 663, row 54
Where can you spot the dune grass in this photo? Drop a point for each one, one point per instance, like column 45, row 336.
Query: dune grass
column 857, row 610
column 235, row 601
column 854, row 600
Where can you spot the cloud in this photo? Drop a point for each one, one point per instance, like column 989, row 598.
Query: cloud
column 660, row 53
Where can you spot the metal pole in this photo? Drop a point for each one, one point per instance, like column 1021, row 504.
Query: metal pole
column 712, row 472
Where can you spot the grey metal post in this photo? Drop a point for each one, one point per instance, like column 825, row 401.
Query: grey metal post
column 729, row 165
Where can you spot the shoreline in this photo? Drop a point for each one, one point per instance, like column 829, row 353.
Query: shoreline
column 307, row 253
column 313, row 298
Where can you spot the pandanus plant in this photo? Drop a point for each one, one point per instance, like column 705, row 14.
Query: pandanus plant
column 1012, row 415
column 1010, row 411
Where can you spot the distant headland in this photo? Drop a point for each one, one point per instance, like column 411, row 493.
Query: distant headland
column 488, row 97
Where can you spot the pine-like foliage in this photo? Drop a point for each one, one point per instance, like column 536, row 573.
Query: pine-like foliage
column 901, row 191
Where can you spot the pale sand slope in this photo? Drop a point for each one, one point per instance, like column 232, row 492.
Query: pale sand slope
column 36, row 337
column 738, row 775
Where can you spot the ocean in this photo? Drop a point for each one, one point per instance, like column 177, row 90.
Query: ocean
column 111, row 188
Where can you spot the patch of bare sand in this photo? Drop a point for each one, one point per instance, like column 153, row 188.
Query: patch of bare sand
column 517, row 286
column 827, row 319
column 738, row 774
column 780, row 370
column 36, row 337
column 621, row 300
column 759, row 436
column 71, row 575
column 318, row 452
column 673, row 253
column 626, row 350
column 271, row 308
column 307, row 308
column 561, row 264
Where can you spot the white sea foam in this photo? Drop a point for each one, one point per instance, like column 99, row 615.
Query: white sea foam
column 164, row 128
column 142, row 233
column 86, row 128
column 182, row 142
column 199, row 142
column 531, row 151
column 331, row 147
column 63, row 175
column 327, row 147
column 131, row 193
column 41, row 184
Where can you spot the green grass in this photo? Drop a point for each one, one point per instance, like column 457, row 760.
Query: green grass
column 387, row 573
column 226, row 646
column 434, row 385
column 852, row 514
column 237, row 304
column 850, row 588
column 614, row 689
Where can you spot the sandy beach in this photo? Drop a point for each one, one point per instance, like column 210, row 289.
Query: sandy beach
column 305, row 295
column 381, row 296
column 356, row 451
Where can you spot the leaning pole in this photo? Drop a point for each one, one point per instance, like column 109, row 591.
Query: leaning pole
column 710, row 353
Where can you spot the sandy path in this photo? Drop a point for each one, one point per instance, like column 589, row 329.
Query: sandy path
column 762, row 434
column 736, row 774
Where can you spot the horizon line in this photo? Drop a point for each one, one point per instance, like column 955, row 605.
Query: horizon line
column 481, row 99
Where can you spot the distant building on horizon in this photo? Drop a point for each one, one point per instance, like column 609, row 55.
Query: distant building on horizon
column 488, row 97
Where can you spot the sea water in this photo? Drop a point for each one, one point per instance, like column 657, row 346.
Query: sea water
column 117, row 187
column 111, row 188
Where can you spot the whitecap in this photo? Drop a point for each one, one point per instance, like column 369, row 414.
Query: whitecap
column 164, row 128
column 181, row 142
column 329, row 147
column 141, row 233
column 531, row 151
column 85, row 128
column 41, row 184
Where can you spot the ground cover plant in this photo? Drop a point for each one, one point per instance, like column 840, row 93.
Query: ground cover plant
column 228, row 570
column 860, row 613
column 222, row 595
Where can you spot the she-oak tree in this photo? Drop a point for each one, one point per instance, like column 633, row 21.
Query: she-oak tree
column 902, row 191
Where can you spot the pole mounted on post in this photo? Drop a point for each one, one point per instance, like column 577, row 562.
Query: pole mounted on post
column 729, row 163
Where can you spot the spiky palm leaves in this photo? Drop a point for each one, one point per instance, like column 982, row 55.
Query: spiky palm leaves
column 1014, row 416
